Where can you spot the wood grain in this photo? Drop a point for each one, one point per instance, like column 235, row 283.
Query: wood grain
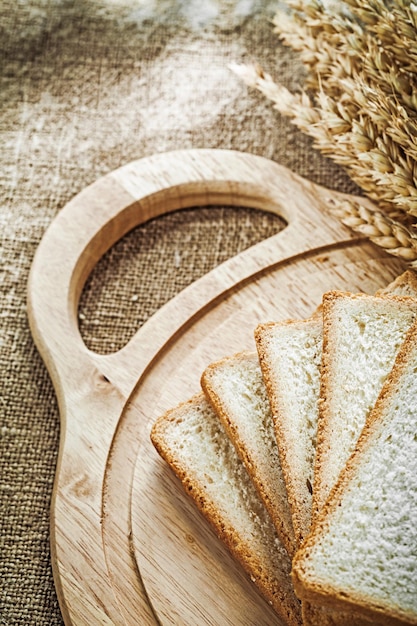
column 128, row 548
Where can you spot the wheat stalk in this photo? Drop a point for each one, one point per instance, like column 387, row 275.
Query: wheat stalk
column 361, row 109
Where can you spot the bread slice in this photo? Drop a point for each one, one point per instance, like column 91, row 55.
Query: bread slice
column 362, row 553
column 192, row 440
column 403, row 285
column 290, row 357
column 236, row 390
column 361, row 337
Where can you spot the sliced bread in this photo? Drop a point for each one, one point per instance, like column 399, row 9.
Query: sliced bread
column 290, row 357
column 236, row 390
column 193, row 441
column 362, row 552
column 361, row 338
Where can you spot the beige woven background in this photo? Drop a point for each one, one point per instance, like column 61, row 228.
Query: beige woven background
column 87, row 86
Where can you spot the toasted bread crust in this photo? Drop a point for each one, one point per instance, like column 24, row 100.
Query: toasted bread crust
column 318, row 615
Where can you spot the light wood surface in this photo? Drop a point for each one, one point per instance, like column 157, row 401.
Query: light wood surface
column 127, row 545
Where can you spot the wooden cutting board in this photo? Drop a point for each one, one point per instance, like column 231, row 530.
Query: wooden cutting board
column 128, row 547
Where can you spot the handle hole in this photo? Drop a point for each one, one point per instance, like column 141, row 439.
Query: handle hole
column 156, row 260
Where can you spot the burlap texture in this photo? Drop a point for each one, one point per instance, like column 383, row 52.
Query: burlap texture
column 87, row 86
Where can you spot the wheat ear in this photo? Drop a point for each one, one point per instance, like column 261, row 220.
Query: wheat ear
column 387, row 233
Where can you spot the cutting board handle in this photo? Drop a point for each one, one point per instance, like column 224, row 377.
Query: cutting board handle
column 106, row 210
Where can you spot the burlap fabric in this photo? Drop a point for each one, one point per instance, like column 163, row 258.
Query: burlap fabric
column 87, row 86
